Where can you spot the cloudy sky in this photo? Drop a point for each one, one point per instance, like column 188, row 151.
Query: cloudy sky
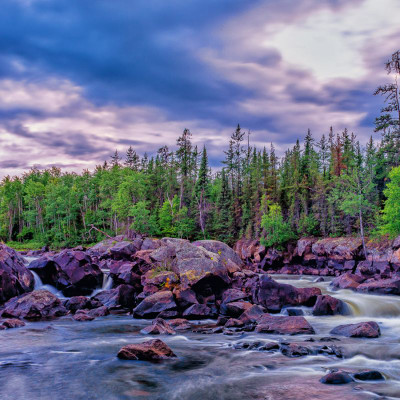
column 81, row 78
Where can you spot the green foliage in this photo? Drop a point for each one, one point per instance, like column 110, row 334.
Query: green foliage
column 143, row 221
column 276, row 231
column 391, row 211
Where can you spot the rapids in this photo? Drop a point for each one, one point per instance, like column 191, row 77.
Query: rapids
column 64, row 359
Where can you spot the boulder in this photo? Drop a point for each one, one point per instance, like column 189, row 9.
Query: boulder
column 13, row 323
column 369, row 375
column 179, row 324
column 158, row 327
column 249, row 250
column 283, row 325
column 160, row 278
column 99, row 312
column 152, row 305
column 381, row 286
column 185, row 298
column 251, row 315
column 15, row 278
column 336, row 378
column 328, row 305
column 39, row 304
column 82, row 316
column 233, row 323
column 304, row 246
column 122, row 296
column 368, row 329
column 124, row 250
column 342, row 248
column 124, row 272
column 77, row 303
column 347, row 281
column 235, row 309
column 232, row 295
column 198, row 311
column 274, row 296
column 225, row 252
column 295, row 350
column 152, row 350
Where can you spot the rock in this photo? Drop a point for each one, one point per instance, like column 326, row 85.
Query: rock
column 368, row 329
column 382, row 286
column 233, row 323
column 304, row 246
column 198, row 311
column 223, row 250
column 152, row 350
column 342, row 248
column 328, row 305
column 369, row 375
column 124, row 250
column 77, row 274
column 185, row 298
column 158, row 327
column 15, row 278
column 73, row 272
column 122, row 296
column 336, row 378
column 99, row 312
column 294, row 350
column 123, row 272
column 235, row 309
column 232, row 295
column 168, row 314
column 347, row 281
column 150, row 244
column 294, row 312
column 274, row 295
column 249, row 249
column 152, row 305
column 179, row 324
column 251, row 315
column 39, row 304
column 77, row 303
column 283, row 325
column 83, row 317
column 13, row 323
column 165, row 279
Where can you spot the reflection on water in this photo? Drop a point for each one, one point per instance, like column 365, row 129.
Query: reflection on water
column 64, row 359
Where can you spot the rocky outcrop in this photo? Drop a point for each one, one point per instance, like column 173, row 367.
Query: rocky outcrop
column 368, row 329
column 152, row 350
column 37, row 305
column 15, row 278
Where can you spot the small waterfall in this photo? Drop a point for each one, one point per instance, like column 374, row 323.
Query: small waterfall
column 107, row 283
column 39, row 285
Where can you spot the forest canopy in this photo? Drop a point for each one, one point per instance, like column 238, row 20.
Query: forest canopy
column 330, row 187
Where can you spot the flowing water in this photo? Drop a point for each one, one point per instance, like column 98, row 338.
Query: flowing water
column 65, row 359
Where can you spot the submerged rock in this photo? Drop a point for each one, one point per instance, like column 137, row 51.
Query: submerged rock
column 369, row 375
column 152, row 350
column 39, row 304
column 158, row 327
column 368, row 329
column 13, row 323
column 336, row 378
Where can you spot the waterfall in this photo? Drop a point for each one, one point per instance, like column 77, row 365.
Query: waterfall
column 39, row 285
column 107, row 283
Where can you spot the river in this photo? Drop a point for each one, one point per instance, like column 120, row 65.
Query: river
column 64, row 359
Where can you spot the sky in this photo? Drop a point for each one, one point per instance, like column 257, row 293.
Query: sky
column 82, row 78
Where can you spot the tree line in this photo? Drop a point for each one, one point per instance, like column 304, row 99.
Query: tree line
column 330, row 187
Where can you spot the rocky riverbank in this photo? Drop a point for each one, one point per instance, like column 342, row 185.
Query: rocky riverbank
column 176, row 284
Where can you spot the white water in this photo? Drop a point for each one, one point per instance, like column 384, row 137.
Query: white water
column 107, row 281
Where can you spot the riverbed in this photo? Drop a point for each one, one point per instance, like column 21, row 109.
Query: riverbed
column 65, row 359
